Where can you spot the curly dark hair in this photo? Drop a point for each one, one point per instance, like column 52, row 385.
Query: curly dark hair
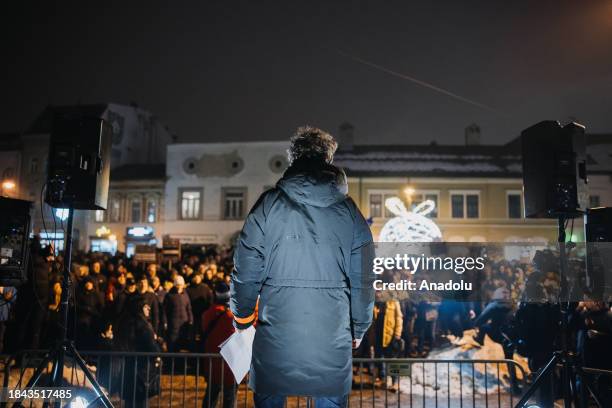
column 313, row 144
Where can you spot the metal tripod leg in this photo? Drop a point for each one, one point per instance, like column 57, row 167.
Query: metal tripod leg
column 48, row 358
column 545, row 372
column 97, row 388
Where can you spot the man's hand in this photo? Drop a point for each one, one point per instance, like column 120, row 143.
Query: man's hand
column 356, row 343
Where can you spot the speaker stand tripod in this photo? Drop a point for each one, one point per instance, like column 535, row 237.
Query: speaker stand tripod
column 563, row 357
column 65, row 347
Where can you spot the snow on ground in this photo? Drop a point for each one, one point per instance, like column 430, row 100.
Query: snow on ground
column 462, row 378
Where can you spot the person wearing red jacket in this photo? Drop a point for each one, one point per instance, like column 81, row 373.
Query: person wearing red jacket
column 216, row 326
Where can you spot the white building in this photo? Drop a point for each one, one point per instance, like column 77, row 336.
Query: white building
column 211, row 187
column 599, row 167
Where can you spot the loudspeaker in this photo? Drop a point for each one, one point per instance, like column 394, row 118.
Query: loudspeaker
column 15, row 221
column 598, row 233
column 79, row 163
column 598, row 224
column 554, row 170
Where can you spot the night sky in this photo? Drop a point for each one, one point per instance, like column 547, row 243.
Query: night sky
column 230, row 71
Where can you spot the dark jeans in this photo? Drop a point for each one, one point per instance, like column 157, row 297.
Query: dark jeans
column 425, row 333
column 212, row 393
column 383, row 352
column 278, row 401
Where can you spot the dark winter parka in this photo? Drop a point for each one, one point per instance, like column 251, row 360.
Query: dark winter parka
column 305, row 250
column 178, row 314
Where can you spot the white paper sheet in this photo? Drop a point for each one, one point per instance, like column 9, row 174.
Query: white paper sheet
column 237, row 351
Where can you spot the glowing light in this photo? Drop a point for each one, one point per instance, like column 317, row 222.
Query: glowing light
column 61, row 213
column 139, row 231
column 102, row 231
column 79, row 402
column 409, row 191
column 8, row 185
column 409, row 226
column 112, row 237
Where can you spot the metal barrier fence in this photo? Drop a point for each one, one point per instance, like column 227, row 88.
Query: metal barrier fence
column 189, row 379
column 595, row 385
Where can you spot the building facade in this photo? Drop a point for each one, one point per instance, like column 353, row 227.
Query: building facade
column 476, row 189
column 135, row 213
column 138, row 138
column 210, row 187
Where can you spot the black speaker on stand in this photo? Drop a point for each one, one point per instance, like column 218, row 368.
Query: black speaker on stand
column 77, row 178
column 554, row 186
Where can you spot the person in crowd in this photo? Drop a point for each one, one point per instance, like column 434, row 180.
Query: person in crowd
column 168, row 285
column 98, row 277
column 123, row 299
column 160, row 293
column 179, row 316
column 494, row 321
column 82, row 272
column 200, row 297
column 115, row 286
column 31, row 307
column 593, row 346
column 537, row 328
column 152, row 271
column 8, row 296
column 386, row 329
column 300, row 252
column 408, row 308
column 209, row 277
column 426, row 317
column 135, row 333
column 89, row 307
column 216, row 326
column 453, row 318
column 145, row 292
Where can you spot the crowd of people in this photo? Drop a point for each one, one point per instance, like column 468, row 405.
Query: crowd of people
column 125, row 305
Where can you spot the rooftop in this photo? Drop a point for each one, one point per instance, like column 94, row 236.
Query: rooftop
column 139, row 172
column 456, row 160
column 430, row 160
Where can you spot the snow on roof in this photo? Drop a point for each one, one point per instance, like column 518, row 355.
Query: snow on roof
column 430, row 160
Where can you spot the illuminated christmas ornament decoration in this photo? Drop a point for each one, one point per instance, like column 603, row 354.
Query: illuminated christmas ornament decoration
column 409, row 226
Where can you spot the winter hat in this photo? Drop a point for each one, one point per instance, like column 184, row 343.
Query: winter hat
column 179, row 281
column 222, row 291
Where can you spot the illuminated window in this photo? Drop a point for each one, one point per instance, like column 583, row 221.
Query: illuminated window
column 115, row 208
column 191, row 203
column 99, row 215
column 234, row 203
column 151, row 210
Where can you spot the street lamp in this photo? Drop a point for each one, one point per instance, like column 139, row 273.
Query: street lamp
column 409, row 191
column 7, row 185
